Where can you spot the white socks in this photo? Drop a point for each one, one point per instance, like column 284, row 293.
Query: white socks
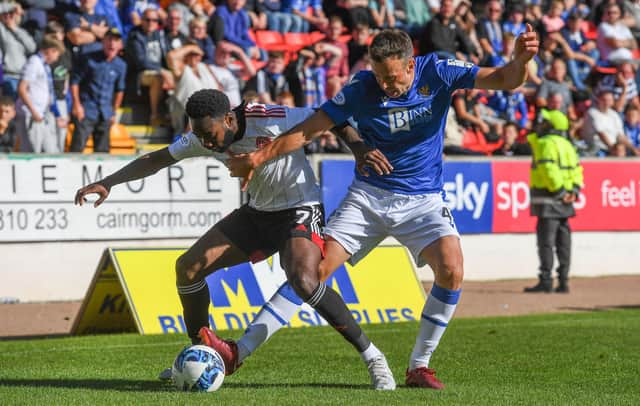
column 438, row 310
column 273, row 315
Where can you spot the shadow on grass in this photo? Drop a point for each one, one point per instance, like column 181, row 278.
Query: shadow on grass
column 131, row 385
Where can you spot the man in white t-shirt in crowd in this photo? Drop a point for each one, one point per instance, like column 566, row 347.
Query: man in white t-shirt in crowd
column 36, row 106
column 603, row 130
column 615, row 40
column 192, row 74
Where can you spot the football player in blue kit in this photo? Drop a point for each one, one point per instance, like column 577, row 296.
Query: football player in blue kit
column 400, row 108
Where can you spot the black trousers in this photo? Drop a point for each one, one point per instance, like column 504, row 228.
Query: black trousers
column 554, row 233
column 99, row 128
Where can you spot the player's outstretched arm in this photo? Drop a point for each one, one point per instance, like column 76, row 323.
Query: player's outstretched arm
column 242, row 165
column 137, row 169
column 365, row 156
column 514, row 73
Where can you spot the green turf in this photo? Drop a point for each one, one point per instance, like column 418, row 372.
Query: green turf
column 577, row 359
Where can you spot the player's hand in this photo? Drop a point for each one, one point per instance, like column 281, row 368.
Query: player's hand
column 569, row 198
column 367, row 157
column 98, row 188
column 241, row 166
column 527, row 45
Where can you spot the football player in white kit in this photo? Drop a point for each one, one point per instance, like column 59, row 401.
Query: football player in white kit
column 284, row 215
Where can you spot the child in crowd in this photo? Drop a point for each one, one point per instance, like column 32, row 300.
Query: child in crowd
column 632, row 125
column 7, row 125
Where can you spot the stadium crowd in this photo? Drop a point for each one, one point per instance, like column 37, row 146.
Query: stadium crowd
column 68, row 65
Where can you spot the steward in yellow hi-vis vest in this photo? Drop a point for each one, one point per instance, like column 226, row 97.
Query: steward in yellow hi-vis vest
column 555, row 181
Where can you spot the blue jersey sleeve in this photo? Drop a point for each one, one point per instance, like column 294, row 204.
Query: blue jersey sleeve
column 457, row 74
column 342, row 106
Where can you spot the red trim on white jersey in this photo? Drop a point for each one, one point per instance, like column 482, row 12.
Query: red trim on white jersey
column 261, row 110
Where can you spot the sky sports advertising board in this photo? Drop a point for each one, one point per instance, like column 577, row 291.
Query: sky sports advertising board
column 181, row 201
column 493, row 196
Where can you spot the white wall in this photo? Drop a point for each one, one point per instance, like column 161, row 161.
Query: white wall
column 63, row 271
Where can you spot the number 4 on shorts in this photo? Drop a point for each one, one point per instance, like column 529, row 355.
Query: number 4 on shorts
column 446, row 213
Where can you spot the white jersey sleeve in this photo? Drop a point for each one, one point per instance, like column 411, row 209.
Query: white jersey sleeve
column 189, row 146
column 287, row 181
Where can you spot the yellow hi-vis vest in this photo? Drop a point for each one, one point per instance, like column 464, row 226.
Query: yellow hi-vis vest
column 555, row 171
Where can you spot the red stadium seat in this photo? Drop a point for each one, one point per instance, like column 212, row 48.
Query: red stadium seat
column 270, row 40
column 297, row 40
column 315, row 36
column 589, row 29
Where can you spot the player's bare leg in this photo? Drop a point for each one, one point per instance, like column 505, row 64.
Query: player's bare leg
column 444, row 256
column 213, row 251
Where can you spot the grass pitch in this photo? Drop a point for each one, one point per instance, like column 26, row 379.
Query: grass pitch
column 578, row 359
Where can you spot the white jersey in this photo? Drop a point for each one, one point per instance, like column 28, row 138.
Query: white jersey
column 283, row 183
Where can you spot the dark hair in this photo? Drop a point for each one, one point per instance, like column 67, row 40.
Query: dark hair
column 391, row 43
column 49, row 42
column 7, row 101
column 208, row 102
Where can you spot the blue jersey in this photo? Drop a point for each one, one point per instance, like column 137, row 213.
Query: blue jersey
column 408, row 130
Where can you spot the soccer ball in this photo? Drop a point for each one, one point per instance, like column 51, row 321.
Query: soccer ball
column 198, row 369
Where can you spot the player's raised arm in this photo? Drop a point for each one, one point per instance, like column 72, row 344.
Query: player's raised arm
column 242, row 165
column 513, row 73
column 139, row 168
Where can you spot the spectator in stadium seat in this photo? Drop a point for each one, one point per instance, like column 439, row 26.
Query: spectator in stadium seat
column 16, row 45
column 257, row 15
column 511, row 146
column 133, row 12
column 304, row 20
column 236, row 26
column 307, row 76
column 555, row 182
column 382, row 12
column 36, row 106
column 270, row 80
column 623, row 86
column 110, row 9
column 555, row 83
column 615, row 40
column 145, row 53
column 61, row 72
column 581, row 53
column 443, row 36
column 412, row 16
column 276, row 19
column 632, row 125
column 603, row 129
column 97, row 88
column 358, row 45
column 192, row 74
column 553, row 21
column 174, row 38
column 489, row 29
column 472, row 114
column 8, row 134
column 189, row 9
column 230, row 78
column 515, row 20
column 632, row 16
column 85, row 29
column 337, row 65
column 198, row 33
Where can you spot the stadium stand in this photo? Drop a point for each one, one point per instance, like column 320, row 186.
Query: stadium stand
column 479, row 21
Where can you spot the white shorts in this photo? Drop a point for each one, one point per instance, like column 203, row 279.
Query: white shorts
column 368, row 215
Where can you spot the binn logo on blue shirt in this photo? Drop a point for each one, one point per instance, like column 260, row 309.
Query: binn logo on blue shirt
column 401, row 119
